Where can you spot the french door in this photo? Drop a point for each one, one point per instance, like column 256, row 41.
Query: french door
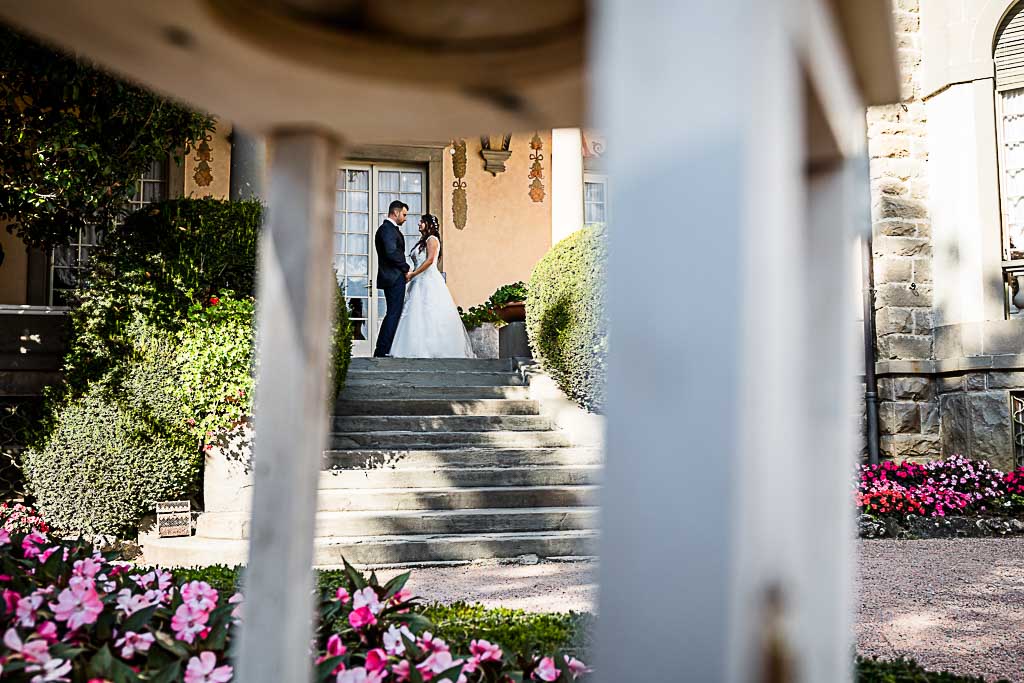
column 364, row 192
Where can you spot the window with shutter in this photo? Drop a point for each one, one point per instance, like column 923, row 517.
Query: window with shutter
column 1008, row 57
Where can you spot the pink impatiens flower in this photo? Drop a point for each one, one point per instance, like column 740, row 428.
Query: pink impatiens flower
column 484, row 651
column 393, row 643
column 335, row 648
column 238, row 600
column 204, row 669
column 27, row 608
column 576, row 667
column 130, row 604
column 89, row 568
column 376, row 660
column 50, row 671
column 29, row 544
column 401, row 671
column 361, row 617
column 342, row 596
column 546, row 670
column 360, row 675
column 367, row 597
column 200, row 595
column 431, row 644
column 436, row 663
column 5, row 537
column 78, row 605
column 188, row 622
column 32, row 651
column 132, row 642
column 47, row 631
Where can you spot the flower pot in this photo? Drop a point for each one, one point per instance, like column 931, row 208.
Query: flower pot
column 513, row 312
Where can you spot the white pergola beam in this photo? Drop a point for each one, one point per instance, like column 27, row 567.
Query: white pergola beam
column 294, row 312
column 710, row 433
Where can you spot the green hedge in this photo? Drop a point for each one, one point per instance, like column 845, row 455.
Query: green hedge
column 161, row 360
column 118, row 448
column 565, row 316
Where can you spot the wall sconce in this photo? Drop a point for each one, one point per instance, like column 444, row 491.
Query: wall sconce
column 494, row 159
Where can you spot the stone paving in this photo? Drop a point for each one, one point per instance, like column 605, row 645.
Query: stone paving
column 955, row 604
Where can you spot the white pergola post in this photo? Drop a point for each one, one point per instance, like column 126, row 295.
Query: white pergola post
column 715, row 341
column 566, row 182
column 294, row 312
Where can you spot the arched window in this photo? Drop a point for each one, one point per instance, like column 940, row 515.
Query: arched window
column 1009, row 79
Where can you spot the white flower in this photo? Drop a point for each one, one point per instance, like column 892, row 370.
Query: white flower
column 393, row 643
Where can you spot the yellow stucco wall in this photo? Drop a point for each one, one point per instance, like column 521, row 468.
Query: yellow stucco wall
column 506, row 232
column 14, row 271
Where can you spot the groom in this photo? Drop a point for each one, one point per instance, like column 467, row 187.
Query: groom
column 392, row 273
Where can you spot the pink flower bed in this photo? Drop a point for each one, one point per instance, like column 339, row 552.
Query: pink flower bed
column 68, row 613
column 936, row 488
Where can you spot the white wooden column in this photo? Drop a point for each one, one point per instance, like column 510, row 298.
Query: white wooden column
column 294, row 309
column 566, row 182
column 703, row 573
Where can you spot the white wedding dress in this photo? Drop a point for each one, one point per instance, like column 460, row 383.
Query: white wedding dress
column 430, row 326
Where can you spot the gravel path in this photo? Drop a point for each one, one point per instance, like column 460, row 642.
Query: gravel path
column 954, row 604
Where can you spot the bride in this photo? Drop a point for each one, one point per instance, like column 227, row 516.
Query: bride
column 430, row 326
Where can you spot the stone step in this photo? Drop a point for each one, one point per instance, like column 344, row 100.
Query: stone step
column 384, row 550
column 454, row 498
column 433, row 364
column 410, row 378
column 466, row 457
column 462, row 477
column 421, row 440
column 225, row 525
column 373, row 392
column 441, row 423
column 435, row 406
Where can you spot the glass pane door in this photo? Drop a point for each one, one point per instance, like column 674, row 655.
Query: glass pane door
column 352, row 252
column 365, row 191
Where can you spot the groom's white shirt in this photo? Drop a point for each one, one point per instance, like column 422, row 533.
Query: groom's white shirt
column 388, row 219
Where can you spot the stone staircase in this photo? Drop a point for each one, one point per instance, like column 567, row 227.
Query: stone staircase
column 435, row 461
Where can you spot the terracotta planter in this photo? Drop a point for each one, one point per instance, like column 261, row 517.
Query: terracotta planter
column 513, row 312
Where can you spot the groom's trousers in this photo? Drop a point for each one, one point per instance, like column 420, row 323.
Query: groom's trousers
column 394, row 297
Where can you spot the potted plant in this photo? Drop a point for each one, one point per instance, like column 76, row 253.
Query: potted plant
column 509, row 302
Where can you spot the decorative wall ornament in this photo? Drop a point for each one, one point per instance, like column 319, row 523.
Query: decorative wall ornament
column 536, row 170
column 494, row 159
column 593, row 144
column 460, row 205
column 204, row 155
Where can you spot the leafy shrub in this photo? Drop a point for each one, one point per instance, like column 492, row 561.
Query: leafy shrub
column 156, row 267
column 515, row 630
column 564, row 316
column 68, row 612
column 118, row 449
column 162, row 357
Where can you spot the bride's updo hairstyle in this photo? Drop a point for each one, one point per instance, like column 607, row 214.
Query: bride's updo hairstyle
column 433, row 229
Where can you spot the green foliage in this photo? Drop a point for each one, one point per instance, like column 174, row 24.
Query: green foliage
column 479, row 315
column 74, row 139
column 215, row 364
column 564, row 316
column 487, row 311
column 906, row 671
column 506, row 294
column 515, row 630
column 119, row 448
column 178, row 276
column 164, row 260
column 341, row 343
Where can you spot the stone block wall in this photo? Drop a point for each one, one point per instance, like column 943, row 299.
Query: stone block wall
column 900, row 216
column 909, row 417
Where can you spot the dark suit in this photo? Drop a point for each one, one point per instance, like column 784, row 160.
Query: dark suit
column 391, row 270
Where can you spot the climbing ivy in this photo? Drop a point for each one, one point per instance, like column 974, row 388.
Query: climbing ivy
column 74, row 139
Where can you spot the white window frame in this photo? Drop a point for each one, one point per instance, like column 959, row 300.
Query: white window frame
column 597, row 179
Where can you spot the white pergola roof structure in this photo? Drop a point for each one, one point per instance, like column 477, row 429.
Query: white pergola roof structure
column 739, row 134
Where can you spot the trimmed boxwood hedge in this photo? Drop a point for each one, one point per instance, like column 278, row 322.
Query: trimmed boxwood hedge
column 118, row 448
column 565, row 316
